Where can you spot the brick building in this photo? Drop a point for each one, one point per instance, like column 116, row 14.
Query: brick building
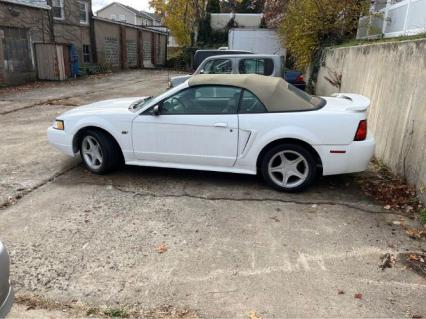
column 38, row 37
column 123, row 45
column 21, row 24
column 72, row 25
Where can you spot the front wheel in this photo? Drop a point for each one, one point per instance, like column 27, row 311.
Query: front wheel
column 288, row 167
column 99, row 154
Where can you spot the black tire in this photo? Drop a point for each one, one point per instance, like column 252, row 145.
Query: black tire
column 309, row 163
column 110, row 151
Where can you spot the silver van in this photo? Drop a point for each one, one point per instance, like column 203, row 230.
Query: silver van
column 263, row 64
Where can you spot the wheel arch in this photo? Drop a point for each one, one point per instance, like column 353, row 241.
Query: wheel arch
column 295, row 141
column 80, row 134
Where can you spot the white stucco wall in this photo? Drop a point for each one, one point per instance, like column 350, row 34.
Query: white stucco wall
column 393, row 76
column 117, row 10
column 218, row 21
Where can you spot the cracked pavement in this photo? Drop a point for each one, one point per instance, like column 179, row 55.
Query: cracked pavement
column 233, row 244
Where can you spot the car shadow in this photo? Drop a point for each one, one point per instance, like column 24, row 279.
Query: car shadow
column 168, row 181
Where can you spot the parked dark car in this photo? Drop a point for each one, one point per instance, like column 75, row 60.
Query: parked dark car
column 295, row 78
column 201, row 55
column 6, row 292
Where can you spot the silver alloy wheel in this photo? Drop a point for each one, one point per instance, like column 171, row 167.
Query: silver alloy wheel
column 92, row 152
column 288, row 169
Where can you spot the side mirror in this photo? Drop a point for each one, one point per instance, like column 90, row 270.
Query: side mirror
column 157, row 109
column 202, row 72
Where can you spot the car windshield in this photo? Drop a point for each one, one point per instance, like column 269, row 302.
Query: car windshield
column 316, row 101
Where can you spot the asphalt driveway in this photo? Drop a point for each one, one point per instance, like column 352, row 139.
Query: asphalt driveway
column 166, row 243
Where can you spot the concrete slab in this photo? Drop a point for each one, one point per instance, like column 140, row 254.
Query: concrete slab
column 232, row 244
column 94, row 239
column 25, row 116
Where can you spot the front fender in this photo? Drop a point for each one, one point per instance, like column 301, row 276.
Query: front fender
column 91, row 121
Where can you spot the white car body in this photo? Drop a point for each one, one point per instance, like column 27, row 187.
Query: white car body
column 222, row 142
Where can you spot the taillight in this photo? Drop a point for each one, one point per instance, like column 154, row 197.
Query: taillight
column 300, row 78
column 361, row 132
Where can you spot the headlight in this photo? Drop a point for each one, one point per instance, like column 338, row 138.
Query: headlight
column 59, row 125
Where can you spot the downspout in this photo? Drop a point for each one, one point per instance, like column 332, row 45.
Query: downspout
column 93, row 47
column 51, row 21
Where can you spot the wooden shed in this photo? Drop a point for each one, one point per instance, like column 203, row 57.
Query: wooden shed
column 53, row 61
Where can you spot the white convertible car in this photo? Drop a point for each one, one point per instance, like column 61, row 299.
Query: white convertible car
column 229, row 123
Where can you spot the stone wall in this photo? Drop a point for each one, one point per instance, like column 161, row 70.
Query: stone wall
column 393, row 76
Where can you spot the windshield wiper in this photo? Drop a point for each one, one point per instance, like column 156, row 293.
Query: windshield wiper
column 139, row 104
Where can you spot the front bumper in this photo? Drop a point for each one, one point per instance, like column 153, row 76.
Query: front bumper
column 60, row 140
column 355, row 158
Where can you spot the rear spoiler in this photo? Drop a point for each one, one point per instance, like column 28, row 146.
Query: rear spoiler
column 360, row 103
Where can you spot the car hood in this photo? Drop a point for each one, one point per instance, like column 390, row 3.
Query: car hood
column 113, row 106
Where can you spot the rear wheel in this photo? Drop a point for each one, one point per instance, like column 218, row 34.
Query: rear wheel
column 288, row 167
column 99, row 153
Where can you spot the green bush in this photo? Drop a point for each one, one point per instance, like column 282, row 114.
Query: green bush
column 91, row 69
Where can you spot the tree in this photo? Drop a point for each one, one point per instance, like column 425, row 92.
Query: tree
column 213, row 6
column 274, row 11
column 243, row 6
column 310, row 25
column 182, row 17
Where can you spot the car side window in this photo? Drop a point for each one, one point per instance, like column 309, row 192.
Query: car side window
column 262, row 66
column 218, row 66
column 251, row 104
column 208, row 99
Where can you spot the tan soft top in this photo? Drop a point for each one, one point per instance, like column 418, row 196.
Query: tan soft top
column 272, row 91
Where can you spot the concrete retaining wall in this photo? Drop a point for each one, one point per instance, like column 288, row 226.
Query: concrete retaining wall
column 393, row 76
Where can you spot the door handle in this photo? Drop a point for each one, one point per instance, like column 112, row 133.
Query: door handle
column 220, row 125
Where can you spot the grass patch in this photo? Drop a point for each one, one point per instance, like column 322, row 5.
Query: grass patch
column 356, row 42
column 422, row 216
column 116, row 313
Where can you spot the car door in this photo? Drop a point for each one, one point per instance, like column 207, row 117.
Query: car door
column 197, row 125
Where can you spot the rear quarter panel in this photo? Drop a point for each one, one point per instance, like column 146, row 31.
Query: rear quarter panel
column 317, row 128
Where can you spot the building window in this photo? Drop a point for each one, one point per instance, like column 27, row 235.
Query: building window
column 58, row 9
column 122, row 18
column 84, row 12
column 86, row 54
column 113, row 17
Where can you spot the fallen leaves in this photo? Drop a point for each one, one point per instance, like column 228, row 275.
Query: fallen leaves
column 381, row 184
column 416, row 261
column 358, row 296
column 162, row 248
column 388, row 260
column 415, row 257
column 253, row 315
column 415, row 233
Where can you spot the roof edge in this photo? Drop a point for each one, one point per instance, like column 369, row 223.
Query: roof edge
column 140, row 27
column 27, row 4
